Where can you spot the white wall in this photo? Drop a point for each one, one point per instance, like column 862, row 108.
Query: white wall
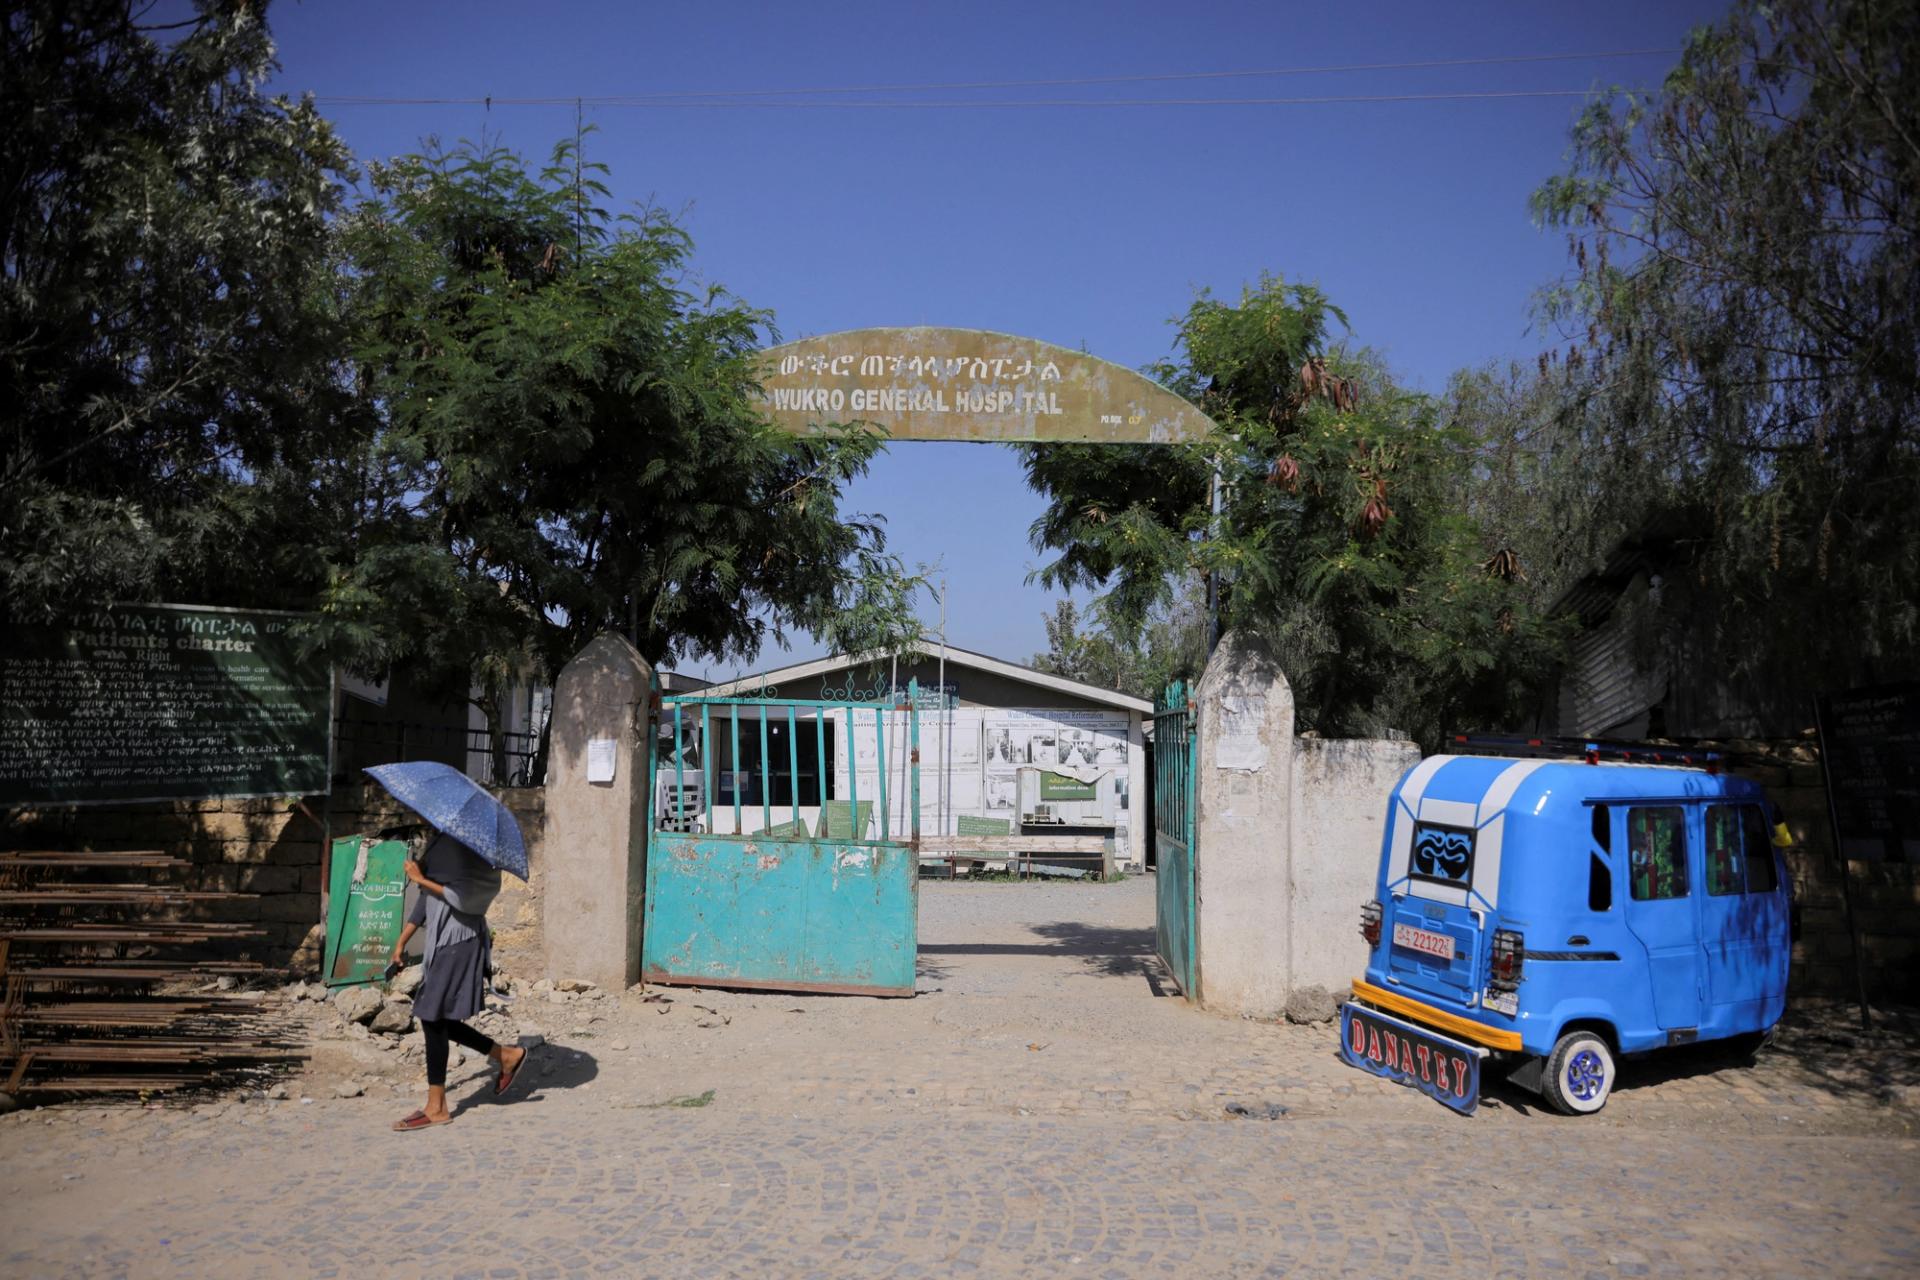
column 1289, row 840
column 1340, row 790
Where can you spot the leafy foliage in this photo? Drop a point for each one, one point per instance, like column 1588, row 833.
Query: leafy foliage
column 1172, row 645
column 169, row 414
column 1340, row 538
column 1745, row 245
column 567, row 442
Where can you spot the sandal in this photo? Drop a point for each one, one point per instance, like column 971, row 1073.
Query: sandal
column 417, row 1120
column 505, row 1082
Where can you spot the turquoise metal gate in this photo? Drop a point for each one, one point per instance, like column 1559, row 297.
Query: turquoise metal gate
column 1176, row 754
column 825, row 900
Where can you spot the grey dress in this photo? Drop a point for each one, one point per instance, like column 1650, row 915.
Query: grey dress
column 458, row 945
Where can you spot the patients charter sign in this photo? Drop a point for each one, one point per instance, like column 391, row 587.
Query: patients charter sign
column 967, row 384
column 161, row 702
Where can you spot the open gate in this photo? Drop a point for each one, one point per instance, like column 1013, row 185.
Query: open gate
column 1176, row 754
column 764, row 872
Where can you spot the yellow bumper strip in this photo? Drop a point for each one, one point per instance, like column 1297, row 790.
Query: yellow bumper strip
column 1439, row 1019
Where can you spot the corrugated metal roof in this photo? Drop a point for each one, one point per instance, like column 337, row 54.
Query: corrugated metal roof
column 1605, row 685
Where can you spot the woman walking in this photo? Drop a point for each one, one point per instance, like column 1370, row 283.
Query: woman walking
column 456, row 887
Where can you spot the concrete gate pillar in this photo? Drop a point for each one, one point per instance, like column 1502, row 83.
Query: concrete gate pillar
column 595, row 844
column 1244, row 820
column 1289, row 842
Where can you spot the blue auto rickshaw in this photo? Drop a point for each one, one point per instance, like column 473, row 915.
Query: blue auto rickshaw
column 1549, row 916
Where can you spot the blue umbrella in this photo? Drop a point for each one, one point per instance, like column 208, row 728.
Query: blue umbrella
column 453, row 803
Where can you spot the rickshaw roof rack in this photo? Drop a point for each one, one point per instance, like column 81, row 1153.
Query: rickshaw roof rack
column 1591, row 750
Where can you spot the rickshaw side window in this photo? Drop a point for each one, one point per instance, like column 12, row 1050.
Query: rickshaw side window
column 1761, row 876
column 1657, row 853
column 1599, row 874
column 1723, row 851
column 1599, row 884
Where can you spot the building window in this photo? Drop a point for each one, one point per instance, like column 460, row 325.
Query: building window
column 1657, row 852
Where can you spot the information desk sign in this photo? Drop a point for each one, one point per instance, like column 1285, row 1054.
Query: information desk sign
column 366, row 907
column 1058, row 786
column 161, row 702
column 1870, row 744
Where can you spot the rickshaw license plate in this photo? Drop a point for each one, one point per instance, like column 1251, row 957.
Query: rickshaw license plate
column 1443, row 1069
column 1425, row 941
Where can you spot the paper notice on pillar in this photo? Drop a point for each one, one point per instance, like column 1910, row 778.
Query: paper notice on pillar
column 1239, row 745
column 600, row 759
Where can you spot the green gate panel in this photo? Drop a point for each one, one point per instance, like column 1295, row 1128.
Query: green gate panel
column 775, row 908
column 1176, row 754
column 733, row 911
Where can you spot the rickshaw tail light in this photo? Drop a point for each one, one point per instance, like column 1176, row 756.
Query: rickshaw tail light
column 1509, row 955
column 1370, row 923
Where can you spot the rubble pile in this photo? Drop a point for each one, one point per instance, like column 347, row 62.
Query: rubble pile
column 376, row 1034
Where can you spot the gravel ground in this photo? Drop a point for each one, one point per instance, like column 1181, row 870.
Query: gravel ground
column 1045, row 1104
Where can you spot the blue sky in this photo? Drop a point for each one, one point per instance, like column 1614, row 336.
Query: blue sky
column 1085, row 226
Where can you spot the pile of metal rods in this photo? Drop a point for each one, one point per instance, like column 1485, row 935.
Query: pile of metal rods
column 105, row 987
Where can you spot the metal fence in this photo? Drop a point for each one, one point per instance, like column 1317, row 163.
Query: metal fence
column 359, row 744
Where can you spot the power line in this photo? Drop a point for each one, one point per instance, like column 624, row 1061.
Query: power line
column 732, row 97
column 963, row 105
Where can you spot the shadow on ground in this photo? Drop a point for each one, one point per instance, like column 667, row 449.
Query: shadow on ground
column 551, row 1068
column 1820, row 1047
column 1101, row 949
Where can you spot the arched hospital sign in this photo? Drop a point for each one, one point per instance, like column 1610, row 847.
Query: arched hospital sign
column 968, row 384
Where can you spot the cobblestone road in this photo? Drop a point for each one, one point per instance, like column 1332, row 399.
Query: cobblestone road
column 1038, row 1110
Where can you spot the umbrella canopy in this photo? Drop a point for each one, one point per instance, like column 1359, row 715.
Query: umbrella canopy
column 456, row 805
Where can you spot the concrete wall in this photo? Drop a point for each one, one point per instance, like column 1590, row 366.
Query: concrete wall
column 1289, row 842
column 1340, row 790
column 593, row 893
column 259, row 846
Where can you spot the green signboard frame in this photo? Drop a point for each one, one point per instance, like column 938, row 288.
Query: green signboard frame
column 364, row 914
column 146, row 702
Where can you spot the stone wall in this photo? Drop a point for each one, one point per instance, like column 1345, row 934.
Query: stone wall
column 1886, row 896
column 270, row 848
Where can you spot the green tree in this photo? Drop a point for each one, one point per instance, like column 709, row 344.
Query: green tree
column 170, row 414
column 1745, row 244
column 568, row 441
column 1170, row 645
column 1340, row 539
column 1534, row 483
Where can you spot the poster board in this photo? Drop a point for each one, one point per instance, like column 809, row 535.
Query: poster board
column 366, row 907
column 1870, row 744
column 162, row 702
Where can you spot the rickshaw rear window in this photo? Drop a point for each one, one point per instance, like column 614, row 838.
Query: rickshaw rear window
column 1761, row 877
column 1657, row 852
column 1725, row 874
column 1443, row 855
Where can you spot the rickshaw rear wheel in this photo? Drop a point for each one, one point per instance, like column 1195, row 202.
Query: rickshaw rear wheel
column 1579, row 1075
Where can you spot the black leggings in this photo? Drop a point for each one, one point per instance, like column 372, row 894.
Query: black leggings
column 438, row 1033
